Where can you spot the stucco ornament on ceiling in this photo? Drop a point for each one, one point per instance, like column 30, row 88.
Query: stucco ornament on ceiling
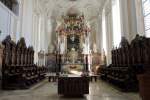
column 56, row 8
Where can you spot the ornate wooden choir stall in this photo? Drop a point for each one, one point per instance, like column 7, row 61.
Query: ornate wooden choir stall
column 128, row 62
column 18, row 68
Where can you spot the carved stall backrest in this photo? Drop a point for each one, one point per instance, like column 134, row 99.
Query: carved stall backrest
column 1, row 56
column 21, row 46
column 18, row 55
column 128, row 55
column 138, row 52
column 113, row 57
column 23, row 49
column 32, row 55
column 25, row 57
column 7, row 51
column 135, row 49
column 14, row 56
column 29, row 55
column 18, row 50
column 132, row 49
column 124, row 42
column 124, row 45
column 142, row 45
column 148, row 49
column 117, row 56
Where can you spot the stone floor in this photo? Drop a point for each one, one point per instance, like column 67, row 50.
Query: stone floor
column 48, row 91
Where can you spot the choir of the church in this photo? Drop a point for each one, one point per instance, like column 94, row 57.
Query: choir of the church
column 73, row 64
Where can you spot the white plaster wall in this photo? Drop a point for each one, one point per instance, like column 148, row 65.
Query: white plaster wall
column 132, row 19
column 139, row 17
column 7, row 22
column 35, row 36
column 41, row 29
column 93, row 27
column 19, row 21
column 50, row 48
column 99, row 33
column 27, row 21
column 108, row 31
column 124, row 18
column 132, row 22
column 109, row 36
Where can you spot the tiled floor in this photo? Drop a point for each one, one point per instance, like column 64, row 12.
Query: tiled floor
column 48, row 91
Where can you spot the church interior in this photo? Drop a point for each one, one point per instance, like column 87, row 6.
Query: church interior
column 74, row 49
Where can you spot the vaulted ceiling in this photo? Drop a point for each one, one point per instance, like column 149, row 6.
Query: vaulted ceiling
column 56, row 8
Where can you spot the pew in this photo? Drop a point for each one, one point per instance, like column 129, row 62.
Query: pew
column 18, row 68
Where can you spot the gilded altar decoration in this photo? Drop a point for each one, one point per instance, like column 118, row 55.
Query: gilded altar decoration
column 73, row 24
column 73, row 55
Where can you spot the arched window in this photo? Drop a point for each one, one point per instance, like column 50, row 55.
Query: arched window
column 146, row 14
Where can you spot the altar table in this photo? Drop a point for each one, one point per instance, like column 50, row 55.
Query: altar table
column 73, row 85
